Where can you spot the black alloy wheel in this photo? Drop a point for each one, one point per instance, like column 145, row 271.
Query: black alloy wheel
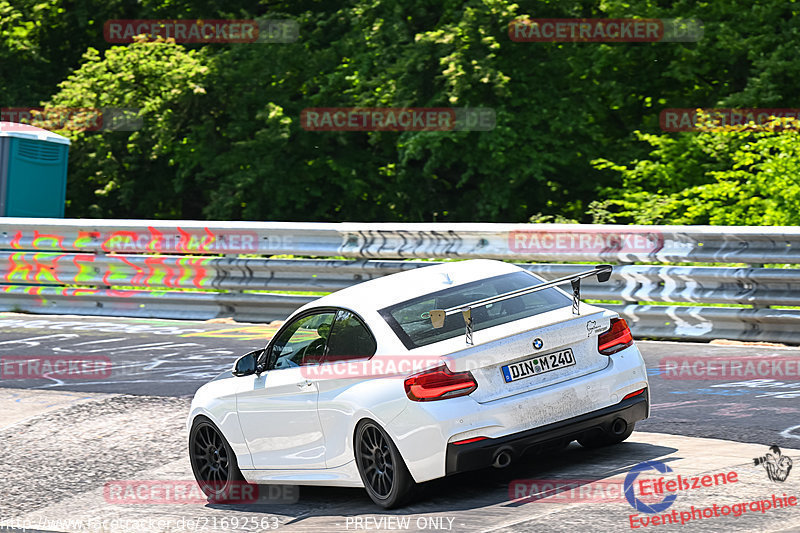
column 213, row 461
column 382, row 469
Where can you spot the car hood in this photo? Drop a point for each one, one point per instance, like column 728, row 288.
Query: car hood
column 225, row 374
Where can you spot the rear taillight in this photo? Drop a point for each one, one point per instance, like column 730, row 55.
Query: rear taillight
column 438, row 384
column 615, row 339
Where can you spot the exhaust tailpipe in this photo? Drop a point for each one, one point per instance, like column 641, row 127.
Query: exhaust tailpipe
column 502, row 458
column 619, row 426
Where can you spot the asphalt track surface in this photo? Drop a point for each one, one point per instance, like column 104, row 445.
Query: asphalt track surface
column 175, row 357
column 62, row 440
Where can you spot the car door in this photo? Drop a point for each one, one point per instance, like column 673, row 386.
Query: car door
column 278, row 408
column 350, row 341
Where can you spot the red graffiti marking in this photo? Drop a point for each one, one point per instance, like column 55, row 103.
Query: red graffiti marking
column 200, row 272
column 15, row 241
column 39, row 237
column 42, row 268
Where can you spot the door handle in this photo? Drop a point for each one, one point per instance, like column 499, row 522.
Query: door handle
column 303, row 384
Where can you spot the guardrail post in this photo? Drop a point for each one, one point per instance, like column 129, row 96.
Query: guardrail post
column 757, row 306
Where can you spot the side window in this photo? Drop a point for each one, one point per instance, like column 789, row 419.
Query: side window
column 302, row 342
column 350, row 339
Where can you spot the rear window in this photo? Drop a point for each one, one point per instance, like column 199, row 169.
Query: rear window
column 411, row 321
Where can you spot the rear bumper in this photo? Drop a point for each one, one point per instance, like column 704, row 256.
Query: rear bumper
column 481, row 454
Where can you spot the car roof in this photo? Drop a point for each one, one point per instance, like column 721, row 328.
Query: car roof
column 378, row 293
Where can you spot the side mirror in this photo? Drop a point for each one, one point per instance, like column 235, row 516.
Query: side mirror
column 246, row 364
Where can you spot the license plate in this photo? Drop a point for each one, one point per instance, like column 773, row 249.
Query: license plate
column 538, row 365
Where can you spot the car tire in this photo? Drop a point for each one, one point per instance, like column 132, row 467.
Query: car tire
column 381, row 467
column 599, row 439
column 213, row 462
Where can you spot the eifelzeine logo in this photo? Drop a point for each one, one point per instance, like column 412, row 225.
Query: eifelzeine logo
column 775, row 463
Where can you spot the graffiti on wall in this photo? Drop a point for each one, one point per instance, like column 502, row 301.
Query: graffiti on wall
column 49, row 268
column 56, row 260
column 150, row 240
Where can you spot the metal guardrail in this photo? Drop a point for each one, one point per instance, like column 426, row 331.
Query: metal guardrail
column 188, row 269
column 525, row 242
column 707, row 323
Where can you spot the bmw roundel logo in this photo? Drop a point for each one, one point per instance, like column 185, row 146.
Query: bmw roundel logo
column 537, row 343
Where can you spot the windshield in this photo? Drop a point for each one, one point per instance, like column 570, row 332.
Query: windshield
column 410, row 320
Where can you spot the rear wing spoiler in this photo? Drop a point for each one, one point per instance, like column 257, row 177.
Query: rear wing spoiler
column 603, row 273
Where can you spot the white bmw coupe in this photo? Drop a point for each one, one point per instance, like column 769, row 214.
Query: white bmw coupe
column 419, row 375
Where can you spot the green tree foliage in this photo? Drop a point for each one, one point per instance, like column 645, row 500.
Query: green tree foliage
column 120, row 174
column 222, row 136
column 719, row 177
column 742, row 177
column 20, row 64
column 42, row 41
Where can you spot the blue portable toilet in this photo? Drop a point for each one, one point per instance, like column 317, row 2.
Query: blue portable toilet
column 33, row 171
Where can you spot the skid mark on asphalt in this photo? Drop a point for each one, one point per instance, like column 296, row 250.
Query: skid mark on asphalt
column 791, row 433
column 19, row 405
column 247, row 333
column 159, row 363
column 148, row 363
column 96, row 326
column 58, row 454
column 674, row 405
column 147, row 357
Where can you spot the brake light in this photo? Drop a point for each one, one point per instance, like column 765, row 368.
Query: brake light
column 439, row 383
column 615, row 339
